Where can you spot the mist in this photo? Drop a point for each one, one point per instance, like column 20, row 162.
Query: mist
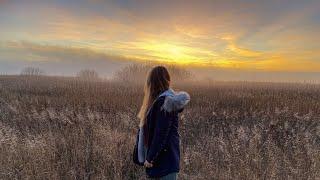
column 106, row 68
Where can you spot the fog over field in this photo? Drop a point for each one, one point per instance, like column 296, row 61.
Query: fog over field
column 57, row 61
column 107, row 67
column 67, row 61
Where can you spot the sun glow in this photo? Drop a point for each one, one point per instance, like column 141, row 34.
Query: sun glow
column 192, row 34
column 171, row 52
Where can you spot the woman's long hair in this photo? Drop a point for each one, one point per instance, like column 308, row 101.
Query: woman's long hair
column 158, row 80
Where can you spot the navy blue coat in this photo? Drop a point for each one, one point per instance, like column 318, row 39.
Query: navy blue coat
column 163, row 140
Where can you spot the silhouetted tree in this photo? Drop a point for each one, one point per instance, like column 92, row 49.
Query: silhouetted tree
column 132, row 73
column 137, row 73
column 88, row 74
column 179, row 73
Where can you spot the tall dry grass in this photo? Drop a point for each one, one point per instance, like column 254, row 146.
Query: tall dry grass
column 64, row 128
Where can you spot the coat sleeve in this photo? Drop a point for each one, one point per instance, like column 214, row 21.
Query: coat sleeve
column 163, row 123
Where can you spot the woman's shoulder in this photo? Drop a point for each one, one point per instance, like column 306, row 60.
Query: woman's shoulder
column 173, row 103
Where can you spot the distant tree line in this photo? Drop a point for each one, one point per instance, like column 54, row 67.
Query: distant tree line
column 32, row 71
column 137, row 73
column 133, row 73
column 84, row 74
column 88, row 74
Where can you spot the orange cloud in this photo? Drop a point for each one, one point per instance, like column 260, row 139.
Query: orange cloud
column 186, row 34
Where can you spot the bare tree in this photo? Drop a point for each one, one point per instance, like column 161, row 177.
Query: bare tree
column 136, row 73
column 88, row 74
column 32, row 71
column 133, row 73
column 179, row 73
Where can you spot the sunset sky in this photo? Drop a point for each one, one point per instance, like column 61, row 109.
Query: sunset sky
column 273, row 35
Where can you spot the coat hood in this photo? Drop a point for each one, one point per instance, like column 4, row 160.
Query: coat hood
column 174, row 101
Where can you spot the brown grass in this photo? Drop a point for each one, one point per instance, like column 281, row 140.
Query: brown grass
column 63, row 128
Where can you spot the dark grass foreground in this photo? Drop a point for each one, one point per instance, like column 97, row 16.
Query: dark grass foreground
column 63, row 128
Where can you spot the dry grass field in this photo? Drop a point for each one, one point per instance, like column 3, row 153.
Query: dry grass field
column 65, row 128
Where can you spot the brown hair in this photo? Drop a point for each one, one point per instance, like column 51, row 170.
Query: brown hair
column 158, row 80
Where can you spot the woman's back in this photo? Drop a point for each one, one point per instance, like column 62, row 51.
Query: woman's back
column 163, row 140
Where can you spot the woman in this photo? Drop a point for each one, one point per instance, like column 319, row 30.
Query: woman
column 158, row 139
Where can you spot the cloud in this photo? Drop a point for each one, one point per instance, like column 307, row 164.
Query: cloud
column 263, row 35
column 59, row 53
column 58, row 59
